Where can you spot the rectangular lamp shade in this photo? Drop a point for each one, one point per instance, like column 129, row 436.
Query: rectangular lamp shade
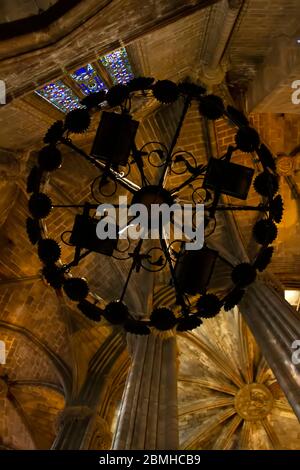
column 84, row 236
column 228, row 178
column 193, row 270
column 114, row 138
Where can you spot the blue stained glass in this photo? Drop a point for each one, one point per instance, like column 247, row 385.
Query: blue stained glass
column 60, row 96
column 88, row 80
column 118, row 66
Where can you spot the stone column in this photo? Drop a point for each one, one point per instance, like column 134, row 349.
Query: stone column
column 72, row 425
column 81, row 424
column 220, row 27
column 100, row 436
column 275, row 326
column 148, row 415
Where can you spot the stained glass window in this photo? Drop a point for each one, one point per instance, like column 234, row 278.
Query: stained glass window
column 88, row 80
column 118, row 66
column 60, row 96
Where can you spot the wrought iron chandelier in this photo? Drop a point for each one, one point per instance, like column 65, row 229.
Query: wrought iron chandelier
column 114, row 154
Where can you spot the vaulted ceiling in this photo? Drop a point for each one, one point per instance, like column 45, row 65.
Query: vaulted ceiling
column 229, row 398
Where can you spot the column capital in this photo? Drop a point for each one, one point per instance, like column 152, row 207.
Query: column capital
column 72, row 412
column 211, row 76
column 220, row 27
column 101, row 436
column 271, row 281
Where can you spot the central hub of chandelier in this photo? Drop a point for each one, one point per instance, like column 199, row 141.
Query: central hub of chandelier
column 114, row 155
column 152, row 194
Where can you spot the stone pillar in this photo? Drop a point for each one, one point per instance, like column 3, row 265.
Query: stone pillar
column 275, row 326
column 72, row 425
column 101, row 435
column 82, row 423
column 221, row 25
column 148, row 415
column 81, row 427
